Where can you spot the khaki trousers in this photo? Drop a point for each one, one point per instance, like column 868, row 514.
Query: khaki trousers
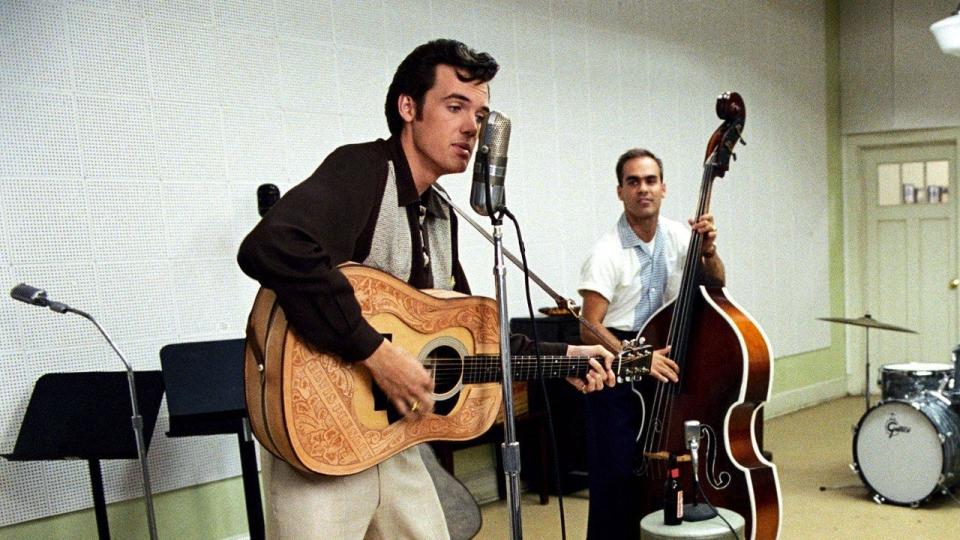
column 395, row 499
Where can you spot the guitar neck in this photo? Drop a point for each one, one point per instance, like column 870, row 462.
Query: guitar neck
column 484, row 369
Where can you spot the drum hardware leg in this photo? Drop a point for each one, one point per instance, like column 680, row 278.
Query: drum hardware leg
column 845, row 486
column 856, row 470
column 952, row 496
column 877, row 498
column 915, row 504
column 940, row 396
column 866, row 379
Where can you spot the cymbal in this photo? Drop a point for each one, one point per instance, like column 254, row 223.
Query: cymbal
column 868, row 322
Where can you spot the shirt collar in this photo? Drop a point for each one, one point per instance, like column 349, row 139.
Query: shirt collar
column 434, row 205
column 406, row 189
column 629, row 238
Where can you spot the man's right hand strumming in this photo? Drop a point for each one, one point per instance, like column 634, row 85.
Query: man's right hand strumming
column 402, row 378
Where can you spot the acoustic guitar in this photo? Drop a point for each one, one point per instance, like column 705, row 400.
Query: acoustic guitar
column 324, row 415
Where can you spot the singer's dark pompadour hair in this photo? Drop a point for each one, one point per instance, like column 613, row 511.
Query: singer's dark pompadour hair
column 634, row 153
column 418, row 72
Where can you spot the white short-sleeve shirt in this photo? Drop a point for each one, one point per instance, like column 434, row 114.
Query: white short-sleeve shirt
column 613, row 270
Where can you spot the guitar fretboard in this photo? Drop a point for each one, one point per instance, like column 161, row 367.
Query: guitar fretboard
column 482, row 369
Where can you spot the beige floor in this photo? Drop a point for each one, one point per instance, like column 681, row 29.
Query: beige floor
column 811, row 448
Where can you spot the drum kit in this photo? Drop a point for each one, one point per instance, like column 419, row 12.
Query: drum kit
column 906, row 448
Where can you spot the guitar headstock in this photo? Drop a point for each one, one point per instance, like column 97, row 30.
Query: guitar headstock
column 634, row 360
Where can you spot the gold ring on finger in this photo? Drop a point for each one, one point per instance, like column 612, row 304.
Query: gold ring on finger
column 415, row 406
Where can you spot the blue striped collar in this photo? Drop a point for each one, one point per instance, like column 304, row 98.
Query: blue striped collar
column 629, row 239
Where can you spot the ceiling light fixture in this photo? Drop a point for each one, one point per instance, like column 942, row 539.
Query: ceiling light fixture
column 947, row 32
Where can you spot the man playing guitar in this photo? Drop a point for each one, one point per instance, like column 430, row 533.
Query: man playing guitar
column 375, row 203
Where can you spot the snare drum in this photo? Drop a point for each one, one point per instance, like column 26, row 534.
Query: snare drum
column 907, row 450
column 904, row 381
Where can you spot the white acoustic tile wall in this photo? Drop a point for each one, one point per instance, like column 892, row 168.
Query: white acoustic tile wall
column 183, row 60
column 253, row 145
column 893, row 75
column 108, row 51
column 117, row 136
column 190, row 12
column 189, row 140
column 248, row 72
column 133, row 135
column 309, row 79
column 305, row 19
column 38, row 131
column 36, row 47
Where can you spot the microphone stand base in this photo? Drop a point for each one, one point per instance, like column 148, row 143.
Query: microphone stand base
column 697, row 512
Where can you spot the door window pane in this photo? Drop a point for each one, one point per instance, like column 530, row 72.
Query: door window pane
column 913, row 174
column 938, row 181
column 888, row 184
column 913, row 182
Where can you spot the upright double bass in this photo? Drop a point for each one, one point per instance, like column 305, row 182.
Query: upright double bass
column 725, row 361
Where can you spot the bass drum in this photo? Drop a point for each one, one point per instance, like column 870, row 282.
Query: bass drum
column 907, row 450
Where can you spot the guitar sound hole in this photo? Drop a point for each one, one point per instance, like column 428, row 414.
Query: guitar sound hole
column 446, row 366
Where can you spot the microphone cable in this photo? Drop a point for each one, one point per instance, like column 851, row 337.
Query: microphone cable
column 706, row 501
column 543, row 385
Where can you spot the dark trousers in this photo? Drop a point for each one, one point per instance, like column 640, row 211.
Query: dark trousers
column 613, row 422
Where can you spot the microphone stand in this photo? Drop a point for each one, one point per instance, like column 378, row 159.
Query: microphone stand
column 693, row 511
column 135, row 419
column 510, row 447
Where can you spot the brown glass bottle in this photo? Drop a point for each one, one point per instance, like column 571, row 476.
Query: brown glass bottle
column 673, row 498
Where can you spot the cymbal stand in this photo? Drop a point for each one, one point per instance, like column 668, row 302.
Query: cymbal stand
column 866, row 378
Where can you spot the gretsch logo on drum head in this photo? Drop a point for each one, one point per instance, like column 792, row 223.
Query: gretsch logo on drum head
column 894, row 427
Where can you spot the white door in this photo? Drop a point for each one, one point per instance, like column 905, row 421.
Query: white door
column 910, row 253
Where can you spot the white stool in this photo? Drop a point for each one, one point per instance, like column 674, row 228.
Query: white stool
column 652, row 527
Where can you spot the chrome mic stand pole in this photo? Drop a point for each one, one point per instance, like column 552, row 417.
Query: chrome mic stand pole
column 510, row 446
column 137, row 422
column 38, row 297
column 494, row 135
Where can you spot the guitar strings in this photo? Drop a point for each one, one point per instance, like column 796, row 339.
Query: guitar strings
column 661, row 416
column 482, row 364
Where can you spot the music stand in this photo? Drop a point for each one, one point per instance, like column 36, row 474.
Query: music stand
column 87, row 416
column 205, row 396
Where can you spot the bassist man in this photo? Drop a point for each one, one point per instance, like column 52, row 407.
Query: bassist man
column 375, row 203
column 631, row 272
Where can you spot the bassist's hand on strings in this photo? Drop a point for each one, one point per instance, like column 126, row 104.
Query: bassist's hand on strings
column 713, row 272
column 598, row 374
column 402, row 378
column 663, row 368
column 706, row 227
